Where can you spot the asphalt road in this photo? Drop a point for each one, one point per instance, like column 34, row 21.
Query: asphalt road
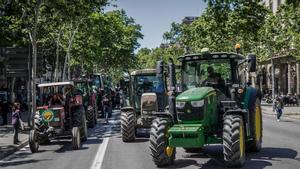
column 281, row 145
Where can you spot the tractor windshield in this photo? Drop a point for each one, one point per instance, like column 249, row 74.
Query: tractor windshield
column 198, row 73
column 147, row 84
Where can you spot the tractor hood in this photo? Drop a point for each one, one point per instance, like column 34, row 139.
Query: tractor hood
column 195, row 94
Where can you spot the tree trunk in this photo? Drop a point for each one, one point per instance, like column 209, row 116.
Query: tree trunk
column 33, row 38
column 57, row 58
column 67, row 58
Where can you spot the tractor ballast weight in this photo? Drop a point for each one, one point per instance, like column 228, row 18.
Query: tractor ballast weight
column 210, row 111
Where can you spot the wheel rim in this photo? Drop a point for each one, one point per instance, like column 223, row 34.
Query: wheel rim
column 78, row 139
column 257, row 123
column 242, row 141
column 169, row 151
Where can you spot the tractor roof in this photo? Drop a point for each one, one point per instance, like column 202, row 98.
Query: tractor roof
column 213, row 55
column 69, row 83
column 143, row 72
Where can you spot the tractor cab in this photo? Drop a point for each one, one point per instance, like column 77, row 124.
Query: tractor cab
column 145, row 82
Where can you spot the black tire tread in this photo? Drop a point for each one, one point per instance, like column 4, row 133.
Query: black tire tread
column 231, row 134
column 128, row 126
column 158, row 143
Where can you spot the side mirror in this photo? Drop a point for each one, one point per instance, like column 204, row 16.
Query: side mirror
column 159, row 68
column 251, row 63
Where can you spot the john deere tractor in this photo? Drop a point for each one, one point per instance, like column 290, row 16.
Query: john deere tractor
column 214, row 104
column 147, row 100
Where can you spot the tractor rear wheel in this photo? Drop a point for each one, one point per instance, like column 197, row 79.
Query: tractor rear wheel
column 90, row 116
column 233, row 140
column 75, row 138
column 83, row 131
column 256, row 142
column 33, row 141
column 128, row 126
column 161, row 153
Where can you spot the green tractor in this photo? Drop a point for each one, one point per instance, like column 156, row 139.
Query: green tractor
column 214, row 104
column 147, row 101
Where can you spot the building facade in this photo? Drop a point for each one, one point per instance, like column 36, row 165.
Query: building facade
column 273, row 4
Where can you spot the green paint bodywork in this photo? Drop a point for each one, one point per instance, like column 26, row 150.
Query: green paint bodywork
column 191, row 133
column 195, row 94
column 186, row 135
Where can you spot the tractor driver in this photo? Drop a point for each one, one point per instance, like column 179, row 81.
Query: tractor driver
column 214, row 78
column 56, row 100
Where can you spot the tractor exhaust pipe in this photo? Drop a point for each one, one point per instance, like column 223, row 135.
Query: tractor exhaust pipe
column 172, row 89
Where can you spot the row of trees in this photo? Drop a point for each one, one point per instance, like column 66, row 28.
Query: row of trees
column 225, row 23
column 71, row 35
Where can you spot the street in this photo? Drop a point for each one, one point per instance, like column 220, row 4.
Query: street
column 105, row 148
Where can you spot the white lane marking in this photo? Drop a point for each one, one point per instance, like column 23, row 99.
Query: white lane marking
column 97, row 163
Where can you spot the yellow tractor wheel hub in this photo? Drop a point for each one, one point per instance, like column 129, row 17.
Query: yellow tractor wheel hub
column 242, row 141
column 257, row 123
column 169, row 151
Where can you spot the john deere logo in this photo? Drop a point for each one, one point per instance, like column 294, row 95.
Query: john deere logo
column 48, row 116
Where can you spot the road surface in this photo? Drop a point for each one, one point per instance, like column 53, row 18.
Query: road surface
column 105, row 149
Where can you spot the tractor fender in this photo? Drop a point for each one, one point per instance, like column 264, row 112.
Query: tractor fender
column 244, row 114
column 250, row 98
column 126, row 109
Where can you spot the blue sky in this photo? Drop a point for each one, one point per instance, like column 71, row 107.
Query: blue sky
column 156, row 16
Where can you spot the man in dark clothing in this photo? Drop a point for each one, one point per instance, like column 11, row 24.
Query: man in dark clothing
column 4, row 111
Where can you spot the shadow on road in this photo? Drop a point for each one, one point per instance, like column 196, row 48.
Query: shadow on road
column 215, row 160
column 20, row 162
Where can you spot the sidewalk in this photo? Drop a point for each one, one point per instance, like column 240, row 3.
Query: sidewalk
column 6, row 138
column 289, row 112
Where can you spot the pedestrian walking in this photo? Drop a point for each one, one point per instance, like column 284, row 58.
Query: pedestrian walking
column 106, row 107
column 278, row 107
column 16, row 121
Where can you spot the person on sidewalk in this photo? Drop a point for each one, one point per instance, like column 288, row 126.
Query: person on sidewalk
column 4, row 110
column 278, row 107
column 16, row 121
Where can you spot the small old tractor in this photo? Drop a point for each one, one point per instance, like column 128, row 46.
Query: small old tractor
column 61, row 113
column 89, row 100
column 214, row 104
column 147, row 100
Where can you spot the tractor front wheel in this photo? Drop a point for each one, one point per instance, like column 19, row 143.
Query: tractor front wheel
column 162, row 154
column 75, row 138
column 33, row 141
column 128, row 126
column 234, row 140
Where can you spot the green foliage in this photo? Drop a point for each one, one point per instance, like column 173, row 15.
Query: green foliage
column 94, row 40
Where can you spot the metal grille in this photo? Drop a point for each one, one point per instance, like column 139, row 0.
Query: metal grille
column 190, row 113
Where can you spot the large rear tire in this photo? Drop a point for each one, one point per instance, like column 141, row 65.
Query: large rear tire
column 128, row 126
column 161, row 153
column 83, row 131
column 234, row 140
column 257, row 129
column 33, row 141
column 75, row 138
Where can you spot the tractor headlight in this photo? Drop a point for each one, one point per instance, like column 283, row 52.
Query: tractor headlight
column 180, row 105
column 197, row 103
